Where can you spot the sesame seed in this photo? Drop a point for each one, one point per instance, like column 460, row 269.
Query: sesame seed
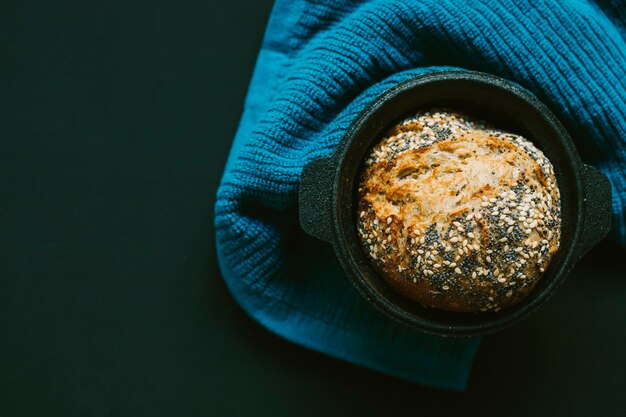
column 501, row 279
column 388, row 220
column 454, row 239
column 457, row 270
column 471, row 235
column 470, row 217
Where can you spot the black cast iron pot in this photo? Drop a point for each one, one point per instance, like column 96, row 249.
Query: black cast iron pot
column 328, row 191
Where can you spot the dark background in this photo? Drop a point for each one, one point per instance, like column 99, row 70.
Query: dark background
column 116, row 123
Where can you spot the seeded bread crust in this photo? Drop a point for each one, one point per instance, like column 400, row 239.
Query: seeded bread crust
column 457, row 215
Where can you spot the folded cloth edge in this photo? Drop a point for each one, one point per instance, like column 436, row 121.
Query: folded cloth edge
column 452, row 376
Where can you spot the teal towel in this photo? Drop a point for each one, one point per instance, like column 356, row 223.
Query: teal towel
column 321, row 62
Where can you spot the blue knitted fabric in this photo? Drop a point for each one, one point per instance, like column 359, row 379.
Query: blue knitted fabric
column 321, row 62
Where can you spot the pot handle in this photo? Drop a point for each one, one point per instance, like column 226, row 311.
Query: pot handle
column 597, row 209
column 315, row 198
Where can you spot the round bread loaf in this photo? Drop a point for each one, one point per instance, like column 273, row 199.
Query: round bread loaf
column 456, row 214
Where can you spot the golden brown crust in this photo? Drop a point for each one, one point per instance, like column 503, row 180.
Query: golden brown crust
column 457, row 215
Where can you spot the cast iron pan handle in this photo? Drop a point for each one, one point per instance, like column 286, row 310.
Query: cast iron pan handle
column 597, row 211
column 315, row 198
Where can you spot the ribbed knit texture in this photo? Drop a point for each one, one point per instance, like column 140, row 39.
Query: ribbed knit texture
column 321, row 62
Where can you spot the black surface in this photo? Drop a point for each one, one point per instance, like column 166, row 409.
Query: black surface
column 585, row 192
column 116, row 122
